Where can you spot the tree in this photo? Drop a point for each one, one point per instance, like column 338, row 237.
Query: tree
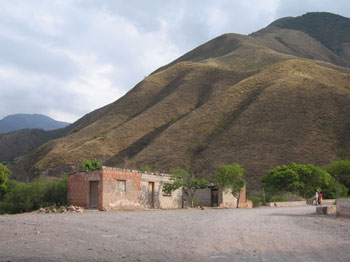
column 91, row 165
column 302, row 180
column 4, row 173
column 281, row 178
column 183, row 179
column 340, row 170
column 230, row 177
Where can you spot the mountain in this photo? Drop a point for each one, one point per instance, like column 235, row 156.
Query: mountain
column 29, row 121
column 279, row 95
column 19, row 143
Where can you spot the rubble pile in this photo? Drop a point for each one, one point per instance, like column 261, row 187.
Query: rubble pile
column 61, row 209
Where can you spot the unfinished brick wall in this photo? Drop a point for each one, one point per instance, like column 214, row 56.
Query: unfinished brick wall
column 78, row 189
column 115, row 188
column 113, row 195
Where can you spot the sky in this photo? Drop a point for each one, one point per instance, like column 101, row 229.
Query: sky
column 65, row 58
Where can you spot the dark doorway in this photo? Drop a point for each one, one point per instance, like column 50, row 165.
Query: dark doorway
column 93, row 194
column 214, row 197
column 151, row 194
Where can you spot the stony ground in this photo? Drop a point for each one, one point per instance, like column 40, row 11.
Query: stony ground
column 265, row 234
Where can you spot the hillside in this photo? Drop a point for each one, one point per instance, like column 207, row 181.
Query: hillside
column 276, row 96
column 29, row 121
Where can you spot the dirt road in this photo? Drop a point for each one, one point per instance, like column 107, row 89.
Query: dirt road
column 265, row 234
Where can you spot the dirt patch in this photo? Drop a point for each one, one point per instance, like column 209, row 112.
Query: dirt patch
column 265, row 234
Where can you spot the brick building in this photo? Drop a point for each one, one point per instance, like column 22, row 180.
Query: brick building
column 114, row 188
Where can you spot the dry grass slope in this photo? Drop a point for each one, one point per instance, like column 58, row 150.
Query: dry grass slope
column 262, row 100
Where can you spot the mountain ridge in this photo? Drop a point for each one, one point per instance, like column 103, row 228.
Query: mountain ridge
column 29, row 121
column 273, row 97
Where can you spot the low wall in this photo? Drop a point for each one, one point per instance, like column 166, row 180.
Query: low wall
column 326, row 210
column 287, row 204
column 328, row 202
column 343, row 207
column 299, row 203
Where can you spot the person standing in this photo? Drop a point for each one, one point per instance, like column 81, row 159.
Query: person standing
column 317, row 197
column 320, row 198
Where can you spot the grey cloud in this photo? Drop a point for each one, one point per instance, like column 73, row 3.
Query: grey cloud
column 300, row 7
column 105, row 47
column 38, row 59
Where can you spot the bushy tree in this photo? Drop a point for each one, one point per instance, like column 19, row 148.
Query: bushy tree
column 230, row 177
column 302, row 180
column 183, row 179
column 340, row 170
column 91, row 165
column 4, row 173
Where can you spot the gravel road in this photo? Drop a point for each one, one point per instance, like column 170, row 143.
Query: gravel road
column 264, row 234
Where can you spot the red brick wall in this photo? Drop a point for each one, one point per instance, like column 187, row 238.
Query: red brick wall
column 114, row 199
column 79, row 188
column 243, row 197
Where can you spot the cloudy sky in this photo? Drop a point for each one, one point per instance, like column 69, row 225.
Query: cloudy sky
column 65, row 58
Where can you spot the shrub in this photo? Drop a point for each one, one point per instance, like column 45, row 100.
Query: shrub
column 146, row 169
column 277, row 199
column 4, row 173
column 91, row 165
column 256, row 199
column 173, row 119
column 201, row 147
column 23, row 197
column 302, row 180
column 340, row 170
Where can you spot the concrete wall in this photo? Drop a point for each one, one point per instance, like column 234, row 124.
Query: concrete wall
column 343, row 207
column 160, row 199
column 202, row 197
column 227, row 200
column 299, row 203
column 78, row 190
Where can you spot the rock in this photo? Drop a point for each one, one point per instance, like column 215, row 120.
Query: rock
column 71, row 208
column 102, row 209
column 79, row 210
column 42, row 210
column 62, row 209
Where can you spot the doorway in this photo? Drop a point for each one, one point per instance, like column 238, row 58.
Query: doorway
column 93, row 194
column 151, row 194
column 214, row 197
